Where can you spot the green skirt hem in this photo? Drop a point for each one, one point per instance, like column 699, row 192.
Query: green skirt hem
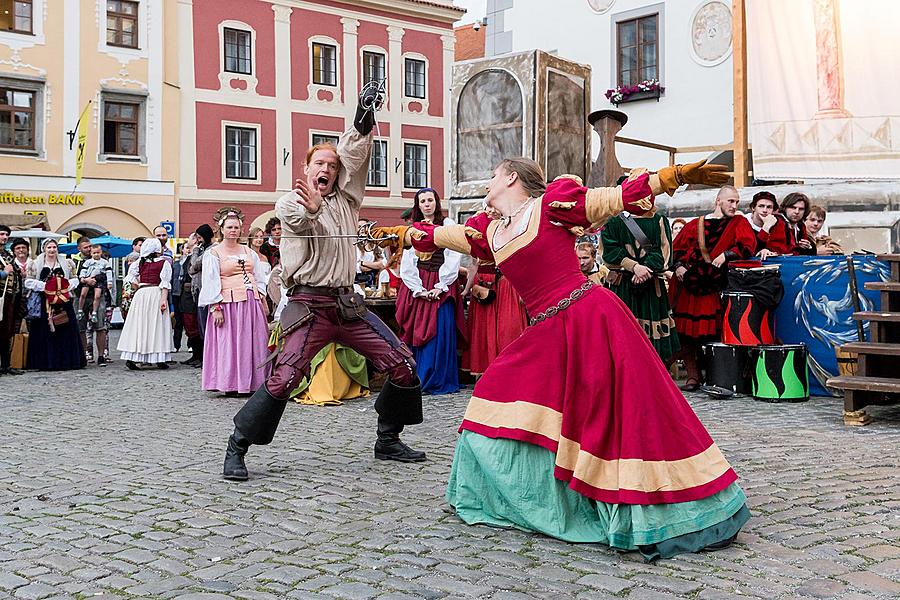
column 507, row 483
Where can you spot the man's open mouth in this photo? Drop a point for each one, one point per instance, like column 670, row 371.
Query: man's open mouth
column 322, row 180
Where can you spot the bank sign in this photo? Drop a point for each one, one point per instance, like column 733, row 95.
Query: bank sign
column 17, row 198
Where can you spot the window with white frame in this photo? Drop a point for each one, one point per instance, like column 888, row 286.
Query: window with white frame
column 237, row 51
column 18, row 122
column 17, row 16
column 414, row 78
column 415, row 166
column 240, row 152
column 373, row 67
column 122, row 23
column 324, row 138
column 378, row 164
column 121, row 127
column 324, row 64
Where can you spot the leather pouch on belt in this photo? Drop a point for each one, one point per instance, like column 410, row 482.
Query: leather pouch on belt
column 351, row 306
column 293, row 316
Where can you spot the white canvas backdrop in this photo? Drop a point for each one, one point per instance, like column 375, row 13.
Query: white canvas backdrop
column 824, row 88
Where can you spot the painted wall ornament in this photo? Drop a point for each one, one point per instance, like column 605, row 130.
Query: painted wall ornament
column 711, row 33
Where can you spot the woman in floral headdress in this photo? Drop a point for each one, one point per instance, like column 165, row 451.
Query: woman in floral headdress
column 237, row 335
column 54, row 343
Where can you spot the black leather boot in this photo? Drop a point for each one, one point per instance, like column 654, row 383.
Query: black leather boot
column 389, row 447
column 255, row 423
column 235, row 469
column 399, row 404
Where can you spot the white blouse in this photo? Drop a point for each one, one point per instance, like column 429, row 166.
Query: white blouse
column 36, row 285
column 165, row 276
column 447, row 274
column 211, row 284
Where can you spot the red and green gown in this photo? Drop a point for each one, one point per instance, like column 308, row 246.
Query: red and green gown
column 576, row 430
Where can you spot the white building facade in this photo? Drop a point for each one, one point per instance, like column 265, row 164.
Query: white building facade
column 685, row 45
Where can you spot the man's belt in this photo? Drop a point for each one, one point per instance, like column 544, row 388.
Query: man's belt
column 320, row 290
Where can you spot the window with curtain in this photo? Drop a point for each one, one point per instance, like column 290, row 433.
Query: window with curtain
column 237, row 51
column 414, row 78
column 373, row 67
column 378, row 165
column 240, row 152
column 324, row 64
column 415, row 166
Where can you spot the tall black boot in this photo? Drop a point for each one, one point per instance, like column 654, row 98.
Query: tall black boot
column 397, row 406
column 255, row 423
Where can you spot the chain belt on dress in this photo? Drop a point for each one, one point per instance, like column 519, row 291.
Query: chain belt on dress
column 562, row 304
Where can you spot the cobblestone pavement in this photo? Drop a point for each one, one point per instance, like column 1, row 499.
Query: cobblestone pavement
column 110, row 487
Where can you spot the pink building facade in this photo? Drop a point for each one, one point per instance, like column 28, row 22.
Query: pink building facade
column 263, row 80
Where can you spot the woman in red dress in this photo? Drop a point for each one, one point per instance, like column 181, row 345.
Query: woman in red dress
column 576, row 430
column 429, row 307
column 496, row 316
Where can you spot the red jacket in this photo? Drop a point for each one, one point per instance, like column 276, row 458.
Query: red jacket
column 782, row 240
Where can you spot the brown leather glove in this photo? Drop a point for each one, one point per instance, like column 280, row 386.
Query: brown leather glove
column 698, row 172
column 380, row 233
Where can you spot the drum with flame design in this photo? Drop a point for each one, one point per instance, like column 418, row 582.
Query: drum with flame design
column 746, row 322
column 780, row 373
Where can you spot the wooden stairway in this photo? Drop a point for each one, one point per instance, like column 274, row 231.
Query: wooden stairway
column 877, row 379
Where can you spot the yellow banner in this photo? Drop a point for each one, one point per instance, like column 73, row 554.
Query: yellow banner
column 82, row 142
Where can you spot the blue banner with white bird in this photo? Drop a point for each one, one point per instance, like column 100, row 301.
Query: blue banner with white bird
column 817, row 308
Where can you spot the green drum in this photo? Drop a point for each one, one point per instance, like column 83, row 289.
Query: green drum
column 780, row 373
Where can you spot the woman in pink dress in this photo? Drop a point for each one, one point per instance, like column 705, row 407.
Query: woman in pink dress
column 576, row 430
column 237, row 336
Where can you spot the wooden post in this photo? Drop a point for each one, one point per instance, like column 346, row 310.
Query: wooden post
column 739, row 75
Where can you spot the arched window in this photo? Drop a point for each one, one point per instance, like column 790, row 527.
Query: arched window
column 490, row 124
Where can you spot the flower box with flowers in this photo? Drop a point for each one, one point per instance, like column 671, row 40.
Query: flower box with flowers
column 649, row 88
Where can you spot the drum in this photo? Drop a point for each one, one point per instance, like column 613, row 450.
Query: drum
column 779, row 373
column 746, row 322
column 728, row 367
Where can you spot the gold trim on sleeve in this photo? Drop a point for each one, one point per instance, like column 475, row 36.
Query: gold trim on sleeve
column 602, row 204
column 452, row 237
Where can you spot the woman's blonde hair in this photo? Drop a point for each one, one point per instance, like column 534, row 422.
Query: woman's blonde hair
column 530, row 174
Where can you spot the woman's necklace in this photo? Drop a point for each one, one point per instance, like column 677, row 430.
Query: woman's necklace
column 506, row 221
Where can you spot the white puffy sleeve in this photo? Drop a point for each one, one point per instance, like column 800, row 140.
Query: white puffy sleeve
column 34, row 284
column 261, row 272
column 211, row 283
column 165, row 276
column 449, row 271
column 133, row 272
column 409, row 273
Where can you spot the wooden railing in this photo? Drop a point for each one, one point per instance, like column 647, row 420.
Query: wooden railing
column 672, row 151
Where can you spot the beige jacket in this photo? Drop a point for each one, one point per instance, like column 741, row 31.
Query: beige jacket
column 324, row 261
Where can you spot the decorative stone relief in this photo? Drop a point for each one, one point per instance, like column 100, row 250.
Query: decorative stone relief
column 600, row 6
column 711, row 33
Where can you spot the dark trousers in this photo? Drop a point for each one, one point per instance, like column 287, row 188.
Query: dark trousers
column 368, row 335
column 177, row 322
column 8, row 329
